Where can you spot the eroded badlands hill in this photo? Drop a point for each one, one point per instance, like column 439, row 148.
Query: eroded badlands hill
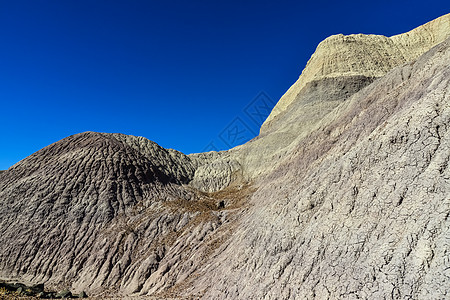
column 345, row 194
column 358, row 56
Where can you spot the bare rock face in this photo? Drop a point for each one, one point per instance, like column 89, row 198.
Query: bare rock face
column 363, row 55
column 360, row 209
column 345, row 194
column 216, row 170
column 61, row 205
column 102, row 211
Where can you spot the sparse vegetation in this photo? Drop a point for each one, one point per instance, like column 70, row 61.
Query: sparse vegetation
column 21, row 291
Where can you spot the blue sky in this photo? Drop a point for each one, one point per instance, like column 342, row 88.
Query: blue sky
column 176, row 72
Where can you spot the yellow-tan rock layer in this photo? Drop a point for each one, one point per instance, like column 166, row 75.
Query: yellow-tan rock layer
column 368, row 55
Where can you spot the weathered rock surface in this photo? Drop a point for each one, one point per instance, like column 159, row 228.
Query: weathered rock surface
column 345, row 194
column 361, row 207
column 105, row 211
column 363, row 55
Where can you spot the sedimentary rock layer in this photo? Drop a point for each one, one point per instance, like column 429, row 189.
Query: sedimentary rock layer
column 363, row 55
column 361, row 207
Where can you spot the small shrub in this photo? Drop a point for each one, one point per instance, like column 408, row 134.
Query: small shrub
column 3, row 291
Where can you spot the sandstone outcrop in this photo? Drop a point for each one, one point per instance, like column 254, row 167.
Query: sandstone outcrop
column 345, row 194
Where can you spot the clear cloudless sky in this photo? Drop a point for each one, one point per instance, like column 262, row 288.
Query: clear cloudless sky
column 176, row 72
